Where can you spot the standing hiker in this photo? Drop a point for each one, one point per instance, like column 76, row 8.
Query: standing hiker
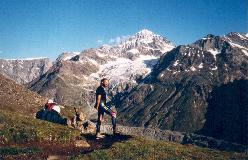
column 101, row 106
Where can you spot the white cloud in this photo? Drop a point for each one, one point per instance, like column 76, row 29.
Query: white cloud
column 111, row 40
column 100, row 41
column 118, row 40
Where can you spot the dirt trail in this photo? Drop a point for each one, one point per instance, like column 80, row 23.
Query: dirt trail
column 55, row 150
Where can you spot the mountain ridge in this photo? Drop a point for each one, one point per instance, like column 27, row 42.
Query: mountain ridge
column 25, row 70
column 79, row 73
column 175, row 95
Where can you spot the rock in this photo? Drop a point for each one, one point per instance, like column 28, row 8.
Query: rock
column 1, row 126
column 82, row 116
column 57, row 157
column 209, row 142
column 79, row 118
column 173, row 136
column 82, row 143
column 88, row 127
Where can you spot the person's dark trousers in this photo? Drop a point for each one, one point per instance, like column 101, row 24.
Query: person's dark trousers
column 101, row 112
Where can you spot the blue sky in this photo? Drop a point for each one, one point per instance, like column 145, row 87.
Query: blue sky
column 46, row 28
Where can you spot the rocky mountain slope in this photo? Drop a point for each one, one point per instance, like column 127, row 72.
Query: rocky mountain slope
column 24, row 70
column 16, row 98
column 189, row 83
column 73, row 78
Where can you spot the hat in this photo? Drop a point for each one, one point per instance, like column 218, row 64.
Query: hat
column 50, row 101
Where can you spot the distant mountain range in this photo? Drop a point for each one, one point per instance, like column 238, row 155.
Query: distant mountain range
column 24, row 71
column 156, row 84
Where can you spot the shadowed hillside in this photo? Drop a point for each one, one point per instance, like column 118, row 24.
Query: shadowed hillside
column 175, row 95
column 227, row 113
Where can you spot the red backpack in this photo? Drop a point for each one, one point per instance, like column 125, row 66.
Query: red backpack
column 49, row 106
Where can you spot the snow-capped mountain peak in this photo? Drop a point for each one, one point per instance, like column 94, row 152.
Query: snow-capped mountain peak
column 67, row 56
column 145, row 36
column 144, row 33
column 145, row 40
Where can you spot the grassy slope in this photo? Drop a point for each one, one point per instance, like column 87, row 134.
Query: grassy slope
column 147, row 149
column 18, row 129
column 24, row 137
column 16, row 98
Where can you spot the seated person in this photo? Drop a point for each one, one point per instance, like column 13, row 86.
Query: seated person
column 51, row 113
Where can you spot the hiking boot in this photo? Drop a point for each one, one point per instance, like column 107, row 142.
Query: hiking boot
column 99, row 136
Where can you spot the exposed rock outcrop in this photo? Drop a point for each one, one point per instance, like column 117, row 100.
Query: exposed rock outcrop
column 167, row 135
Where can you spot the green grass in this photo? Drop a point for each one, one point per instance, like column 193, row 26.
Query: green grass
column 140, row 149
column 16, row 128
column 18, row 153
column 18, row 150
